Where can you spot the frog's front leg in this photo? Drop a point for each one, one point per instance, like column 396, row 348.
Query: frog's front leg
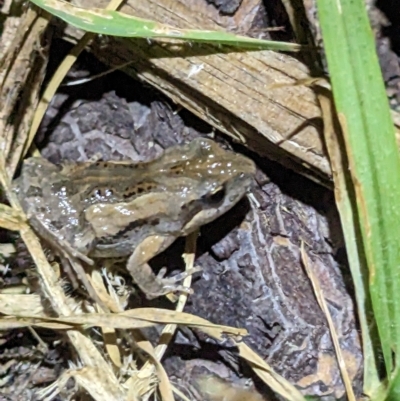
column 154, row 286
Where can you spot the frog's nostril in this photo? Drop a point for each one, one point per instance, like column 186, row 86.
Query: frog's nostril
column 96, row 193
column 233, row 198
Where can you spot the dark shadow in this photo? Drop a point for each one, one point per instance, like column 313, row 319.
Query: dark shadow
column 391, row 9
column 278, row 18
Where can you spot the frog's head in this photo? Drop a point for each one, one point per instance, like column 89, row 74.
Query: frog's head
column 211, row 180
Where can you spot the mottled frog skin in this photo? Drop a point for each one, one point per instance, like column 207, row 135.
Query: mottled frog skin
column 100, row 209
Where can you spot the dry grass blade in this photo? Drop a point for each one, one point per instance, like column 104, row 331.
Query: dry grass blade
column 110, row 337
column 87, row 377
column 52, row 87
column 180, row 394
column 58, row 77
column 344, row 196
column 21, row 305
column 131, row 319
column 323, row 305
column 12, row 322
column 265, row 372
column 106, row 295
column 10, row 219
column 164, row 385
column 170, row 328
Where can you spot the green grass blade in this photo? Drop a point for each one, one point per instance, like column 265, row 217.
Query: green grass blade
column 348, row 216
column 115, row 23
column 393, row 391
column 388, row 392
column 368, row 130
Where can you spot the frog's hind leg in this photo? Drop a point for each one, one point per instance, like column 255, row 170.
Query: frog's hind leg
column 60, row 245
column 70, row 259
column 154, row 286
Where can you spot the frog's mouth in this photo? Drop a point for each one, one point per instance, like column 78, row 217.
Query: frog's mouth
column 216, row 203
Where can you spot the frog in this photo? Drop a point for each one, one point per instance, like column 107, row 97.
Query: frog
column 110, row 209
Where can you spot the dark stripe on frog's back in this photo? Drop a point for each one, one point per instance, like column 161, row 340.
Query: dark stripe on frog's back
column 122, row 193
column 114, row 170
column 123, row 187
column 105, row 172
column 134, row 179
column 126, row 189
column 172, row 163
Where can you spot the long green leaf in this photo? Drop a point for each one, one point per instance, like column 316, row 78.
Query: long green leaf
column 393, row 391
column 115, row 23
column 374, row 163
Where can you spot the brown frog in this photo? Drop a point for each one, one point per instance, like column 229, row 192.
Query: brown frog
column 101, row 209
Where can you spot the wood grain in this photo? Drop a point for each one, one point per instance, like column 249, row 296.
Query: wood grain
column 248, row 95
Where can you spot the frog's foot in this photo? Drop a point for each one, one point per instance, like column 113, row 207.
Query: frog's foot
column 165, row 285
column 177, row 277
column 154, row 286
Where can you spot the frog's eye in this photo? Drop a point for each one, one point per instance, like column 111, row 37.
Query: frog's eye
column 216, row 196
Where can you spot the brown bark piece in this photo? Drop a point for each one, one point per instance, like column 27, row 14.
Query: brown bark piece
column 22, row 69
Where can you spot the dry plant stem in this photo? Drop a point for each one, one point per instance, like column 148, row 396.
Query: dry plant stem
column 322, row 303
column 52, row 87
column 301, row 27
column 343, row 196
column 22, row 70
column 9, row 218
column 265, row 372
column 110, row 337
column 180, row 394
column 295, row 11
column 164, row 384
column 169, row 329
column 331, row 137
column 44, row 347
column 58, row 77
